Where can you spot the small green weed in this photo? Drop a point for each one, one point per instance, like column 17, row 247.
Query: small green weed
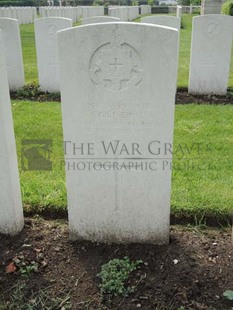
column 28, row 269
column 114, row 276
column 230, row 93
column 25, row 267
column 228, row 294
column 28, row 91
column 33, row 92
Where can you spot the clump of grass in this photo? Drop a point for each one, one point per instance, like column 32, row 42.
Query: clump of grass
column 17, row 298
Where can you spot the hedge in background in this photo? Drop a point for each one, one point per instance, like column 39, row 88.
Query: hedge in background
column 227, row 8
column 17, row 3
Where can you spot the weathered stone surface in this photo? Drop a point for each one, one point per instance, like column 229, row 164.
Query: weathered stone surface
column 99, row 19
column 46, row 50
column 210, row 54
column 108, row 101
column 211, row 6
column 13, row 52
column 145, row 9
column 11, row 219
column 168, row 21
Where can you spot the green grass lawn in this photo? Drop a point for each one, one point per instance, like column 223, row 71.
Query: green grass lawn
column 34, row 120
column 202, row 181
column 205, row 186
column 29, row 52
column 184, row 51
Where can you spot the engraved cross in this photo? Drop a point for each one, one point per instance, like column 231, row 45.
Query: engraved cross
column 116, row 64
column 212, row 28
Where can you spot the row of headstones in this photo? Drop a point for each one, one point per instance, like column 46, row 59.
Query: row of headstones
column 107, row 97
column 186, row 9
column 25, row 15
column 210, row 50
column 68, row 12
column 124, row 13
column 74, row 13
column 115, row 90
column 191, row 9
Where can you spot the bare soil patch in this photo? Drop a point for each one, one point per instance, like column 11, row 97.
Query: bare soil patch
column 183, row 97
column 32, row 92
column 192, row 271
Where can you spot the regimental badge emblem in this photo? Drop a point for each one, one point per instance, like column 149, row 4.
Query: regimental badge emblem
column 115, row 66
column 212, row 29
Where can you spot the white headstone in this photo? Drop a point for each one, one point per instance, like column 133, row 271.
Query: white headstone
column 8, row 12
column 107, row 73
column 178, row 11
column 191, row 9
column 46, row 50
column 145, row 9
column 99, row 19
column 20, row 15
column 210, row 54
column 123, row 13
column 11, row 219
column 78, row 13
column 163, row 20
column 24, row 15
column 86, row 12
column 119, row 12
column 13, row 52
column 212, row 6
column 133, row 12
column 34, row 13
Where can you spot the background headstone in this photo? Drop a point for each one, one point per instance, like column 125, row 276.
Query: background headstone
column 210, row 54
column 99, row 19
column 168, row 21
column 46, row 50
column 114, row 90
column 211, row 6
column 119, row 12
column 178, row 11
column 145, row 9
column 13, row 52
column 11, row 218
